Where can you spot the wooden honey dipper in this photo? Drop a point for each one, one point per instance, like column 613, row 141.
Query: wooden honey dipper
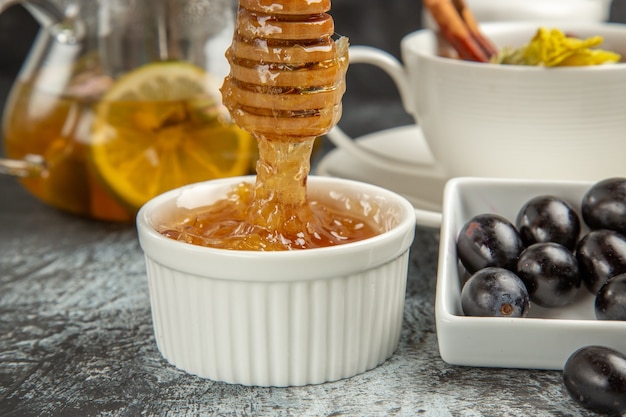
column 287, row 73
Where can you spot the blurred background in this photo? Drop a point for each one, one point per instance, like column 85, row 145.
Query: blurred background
column 371, row 96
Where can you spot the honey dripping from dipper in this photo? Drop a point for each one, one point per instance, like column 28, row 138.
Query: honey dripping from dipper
column 285, row 86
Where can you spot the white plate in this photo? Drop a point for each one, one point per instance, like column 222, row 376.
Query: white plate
column 547, row 337
column 405, row 143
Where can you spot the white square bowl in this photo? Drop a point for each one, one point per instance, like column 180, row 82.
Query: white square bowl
column 544, row 339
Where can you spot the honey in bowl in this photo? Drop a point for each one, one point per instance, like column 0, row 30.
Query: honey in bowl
column 285, row 87
column 329, row 220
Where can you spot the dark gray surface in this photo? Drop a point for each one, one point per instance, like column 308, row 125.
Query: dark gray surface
column 76, row 340
column 75, row 326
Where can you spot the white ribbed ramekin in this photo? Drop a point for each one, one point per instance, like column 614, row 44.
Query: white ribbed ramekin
column 278, row 318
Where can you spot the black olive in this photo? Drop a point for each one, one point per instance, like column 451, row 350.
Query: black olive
column 489, row 240
column 595, row 377
column 604, row 205
column 611, row 299
column 548, row 218
column 601, row 254
column 550, row 272
column 494, row 292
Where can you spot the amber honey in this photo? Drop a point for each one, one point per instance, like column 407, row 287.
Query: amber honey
column 285, row 86
column 225, row 225
column 275, row 213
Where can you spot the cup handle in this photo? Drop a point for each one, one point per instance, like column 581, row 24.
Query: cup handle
column 393, row 67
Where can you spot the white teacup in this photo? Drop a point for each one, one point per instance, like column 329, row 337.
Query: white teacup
column 509, row 121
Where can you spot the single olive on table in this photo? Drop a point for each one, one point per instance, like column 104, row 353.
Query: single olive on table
column 595, row 377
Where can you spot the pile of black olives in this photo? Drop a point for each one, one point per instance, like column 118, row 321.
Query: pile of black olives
column 541, row 259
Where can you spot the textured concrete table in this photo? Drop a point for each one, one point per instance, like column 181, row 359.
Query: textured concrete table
column 76, row 340
column 76, row 333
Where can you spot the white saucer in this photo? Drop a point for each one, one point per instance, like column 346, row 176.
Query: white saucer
column 405, row 143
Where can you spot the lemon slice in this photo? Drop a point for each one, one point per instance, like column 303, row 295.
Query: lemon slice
column 162, row 126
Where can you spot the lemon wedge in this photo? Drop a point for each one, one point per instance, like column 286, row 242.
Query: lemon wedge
column 162, row 126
